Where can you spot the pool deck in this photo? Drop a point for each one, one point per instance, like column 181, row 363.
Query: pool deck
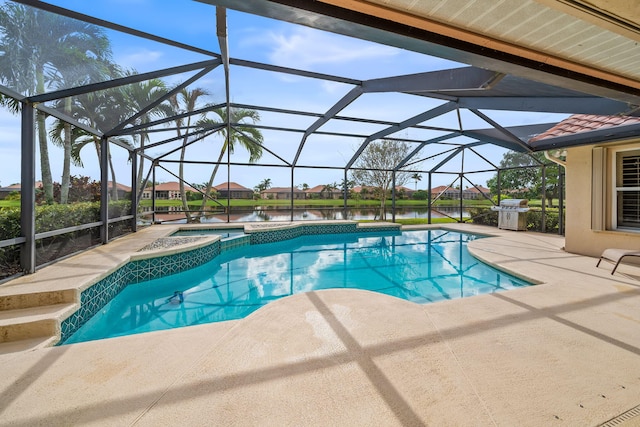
column 563, row 353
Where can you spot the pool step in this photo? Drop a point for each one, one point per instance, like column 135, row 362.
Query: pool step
column 14, row 301
column 34, row 322
column 27, row 345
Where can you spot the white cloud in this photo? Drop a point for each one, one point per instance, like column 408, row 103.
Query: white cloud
column 140, row 59
column 306, row 48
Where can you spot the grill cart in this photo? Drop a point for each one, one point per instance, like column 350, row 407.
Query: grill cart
column 511, row 214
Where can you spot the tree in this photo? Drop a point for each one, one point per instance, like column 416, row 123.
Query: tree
column 328, row 189
column 264, row 184
column 38, row 47
column 375, row 166
column 416, row 177
column 137, row 97
column 347, row 185
column 248, row 137
column 185, row 101
column 521, row 177
column 102, row 110
column 88, row 69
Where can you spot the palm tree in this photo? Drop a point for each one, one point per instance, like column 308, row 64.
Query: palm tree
column 328, row 189
column 249, row 138
column 265, row 184
column 346, row 185
column 416, row 177
column 102, row 110
column 138, row 96
column 185, row 101
column 37, row 47
column 87, row 70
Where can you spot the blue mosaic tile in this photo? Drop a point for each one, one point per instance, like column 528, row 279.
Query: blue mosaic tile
column 94, row 298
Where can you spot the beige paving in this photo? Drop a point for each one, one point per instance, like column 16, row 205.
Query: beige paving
column 565, row 352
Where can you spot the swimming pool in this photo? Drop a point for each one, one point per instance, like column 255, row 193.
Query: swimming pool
column 421, row 266
column 224, row 233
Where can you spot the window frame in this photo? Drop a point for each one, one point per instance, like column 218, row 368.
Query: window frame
column 615, row 189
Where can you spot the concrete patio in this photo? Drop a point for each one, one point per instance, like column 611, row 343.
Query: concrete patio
column 565, row 352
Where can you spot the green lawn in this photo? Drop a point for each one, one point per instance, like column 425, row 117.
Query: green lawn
column 9, row 203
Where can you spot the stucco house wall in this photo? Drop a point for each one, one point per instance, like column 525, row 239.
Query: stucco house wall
column 582, row 200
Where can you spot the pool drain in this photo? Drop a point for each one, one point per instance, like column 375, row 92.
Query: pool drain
column 625, row 416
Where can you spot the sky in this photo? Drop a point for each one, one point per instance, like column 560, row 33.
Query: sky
column 273, row 42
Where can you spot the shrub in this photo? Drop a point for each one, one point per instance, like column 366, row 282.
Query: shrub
column 420, row 195
column 534, row 220
column 56, row 217
column 484, row 216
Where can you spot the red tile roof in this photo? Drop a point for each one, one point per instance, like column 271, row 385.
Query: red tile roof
column 171, row 186
column 439, row 189
column 358, row 189
column 281, row 190
column 478, row 189
column 316, row 189
column 584, row 123
column 233, row 186
column 120, row 186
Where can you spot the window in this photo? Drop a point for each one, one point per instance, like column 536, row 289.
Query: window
column 626, row 203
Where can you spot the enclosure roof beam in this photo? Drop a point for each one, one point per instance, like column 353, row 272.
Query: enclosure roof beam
column 293, row 71
column 199, row 136
column 427, row 115
column 549, row 104
column 112, row 26
column 135, row 78
column 442, row 80
column 483, row 158
column 432, row 156
column 66, row 118
column 214, row 129
column 12, row 93
column 255, row 142
column 446, row 159
column 502, row 130
column 345, row 118
column 135, row 129
column 421, row 145
column 496, row 140
column 346, row 135
column 337, row 107
column 160, row 100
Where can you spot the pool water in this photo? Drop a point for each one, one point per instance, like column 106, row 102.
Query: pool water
column 421, row 266
column 222, row 232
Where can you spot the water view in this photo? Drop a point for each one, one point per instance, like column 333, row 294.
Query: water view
column 310, row 213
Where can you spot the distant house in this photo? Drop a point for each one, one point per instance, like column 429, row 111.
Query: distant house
column 121, row 188
column 404, row 192
column 322, row 192
column 5, row 191
column 166, row 191
column 282, row 193
column 365, row 192
column 233, row 190
column 479, row 192
column 471, row 193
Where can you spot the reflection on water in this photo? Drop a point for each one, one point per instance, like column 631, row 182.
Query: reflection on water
column 421, row 266
column 312, row 213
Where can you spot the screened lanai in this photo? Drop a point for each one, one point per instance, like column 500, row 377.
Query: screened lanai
column 179, row 98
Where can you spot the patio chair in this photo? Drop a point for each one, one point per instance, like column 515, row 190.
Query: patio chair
column 617, row 255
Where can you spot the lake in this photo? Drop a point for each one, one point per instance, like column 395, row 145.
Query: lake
column 311, row 213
